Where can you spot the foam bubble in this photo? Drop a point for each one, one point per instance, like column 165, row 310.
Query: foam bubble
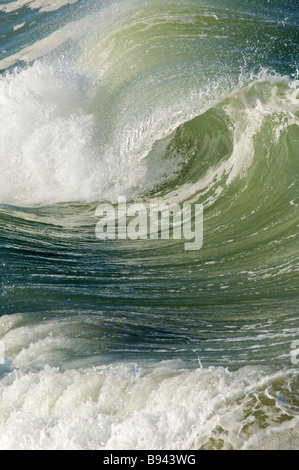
column 126, row 406
column 55, row 149
column 47, row 150
column 42, row 5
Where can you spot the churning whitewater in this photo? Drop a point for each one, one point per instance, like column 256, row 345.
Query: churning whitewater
column 140, row 344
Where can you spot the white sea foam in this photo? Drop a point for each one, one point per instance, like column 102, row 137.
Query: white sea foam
column 55, row 145
column 42, row 5
column 19, row 26
column 52, row 148
column 77, row 30
column 47, row 149
column 53, row 392
column 125, row 405
column 46, row 45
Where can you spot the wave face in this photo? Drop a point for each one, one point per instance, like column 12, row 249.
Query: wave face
column 139, row 344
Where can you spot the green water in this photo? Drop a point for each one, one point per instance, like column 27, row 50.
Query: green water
column 144, row 344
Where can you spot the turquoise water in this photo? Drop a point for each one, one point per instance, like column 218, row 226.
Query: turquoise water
column 140, row 344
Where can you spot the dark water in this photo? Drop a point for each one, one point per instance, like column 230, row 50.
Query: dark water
column 140, row 344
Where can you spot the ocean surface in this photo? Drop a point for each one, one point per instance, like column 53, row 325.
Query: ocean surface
column 140, row 344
